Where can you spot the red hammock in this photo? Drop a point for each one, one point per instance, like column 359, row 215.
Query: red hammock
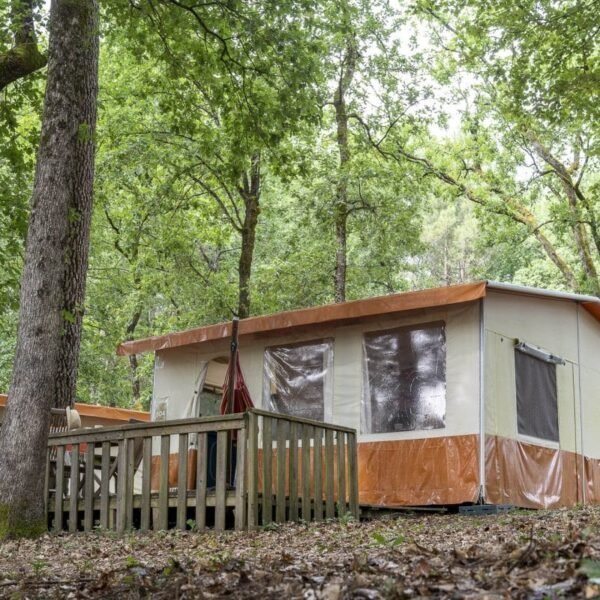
column 241, row 396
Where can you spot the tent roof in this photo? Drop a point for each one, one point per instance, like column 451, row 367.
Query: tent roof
column 100, row 412
column 335, row 314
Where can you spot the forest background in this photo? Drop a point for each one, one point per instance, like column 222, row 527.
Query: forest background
column 257, row 157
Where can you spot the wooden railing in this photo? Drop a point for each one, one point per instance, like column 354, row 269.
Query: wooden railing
column 240, row 471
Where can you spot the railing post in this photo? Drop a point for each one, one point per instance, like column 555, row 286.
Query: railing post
column 353, row 475
column 240, row 479
column 252, row 420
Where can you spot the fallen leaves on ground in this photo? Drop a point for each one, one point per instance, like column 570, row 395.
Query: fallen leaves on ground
column 535, row 555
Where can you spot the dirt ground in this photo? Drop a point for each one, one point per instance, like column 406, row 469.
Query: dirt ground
column 537, row 555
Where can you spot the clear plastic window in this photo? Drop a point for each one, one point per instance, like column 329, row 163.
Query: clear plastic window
column 297, row 379
column 404, row 379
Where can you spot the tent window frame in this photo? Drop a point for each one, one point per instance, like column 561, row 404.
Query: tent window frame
column 327, row 378
column 536, row 368
column 441, row 377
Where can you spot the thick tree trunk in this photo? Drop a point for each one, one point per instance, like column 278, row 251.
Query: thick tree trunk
column 250, row 192
column 341, row 211
column 64, row 153
column 24, row 57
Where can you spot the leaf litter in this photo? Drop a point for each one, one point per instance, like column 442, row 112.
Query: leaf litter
column 536, row 555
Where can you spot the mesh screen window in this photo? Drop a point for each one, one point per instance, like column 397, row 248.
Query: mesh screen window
column 537, row 402
column 404, row 379
column 297, row 379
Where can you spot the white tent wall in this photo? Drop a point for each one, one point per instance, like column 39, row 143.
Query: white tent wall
column 521, row 470
column 589, row 334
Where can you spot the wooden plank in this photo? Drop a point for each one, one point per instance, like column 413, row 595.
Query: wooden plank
column 280, row 499
column 267, row 453
column 290, row 419
column 141, row 430
column 329, row 492
column 88, row 494
column 74, row 489
column 47, row 485
column 307, row 435
column 105, row 485
column 240, row 481
column 58, row 488
column 221, row 478
column 252, row 471
column 146, row 484
column 341, row 471
column 318, row 474
column 353, row 475
column 293, row 458
column 129, row 489
column 182, row 482
column 122, row 486
column 163, row 490
column 201, row 472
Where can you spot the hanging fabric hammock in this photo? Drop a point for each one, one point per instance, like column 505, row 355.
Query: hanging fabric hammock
column 241, row 396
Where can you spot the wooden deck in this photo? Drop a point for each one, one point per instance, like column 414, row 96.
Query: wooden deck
column 240, row 471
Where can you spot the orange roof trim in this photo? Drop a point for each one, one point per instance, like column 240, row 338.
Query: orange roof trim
column 100, row 412
column 320, row 315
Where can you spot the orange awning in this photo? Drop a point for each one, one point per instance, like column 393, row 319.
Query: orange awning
column 321, row 315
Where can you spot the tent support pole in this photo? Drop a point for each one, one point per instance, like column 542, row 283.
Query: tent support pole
column 481, row 498
column 583, row 477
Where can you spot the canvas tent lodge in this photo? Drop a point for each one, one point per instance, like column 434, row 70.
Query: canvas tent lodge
column 476, row 392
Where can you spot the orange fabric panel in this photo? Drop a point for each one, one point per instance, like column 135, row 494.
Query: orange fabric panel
column 592, row 478
column 441, row 470
column 174, row 471
column 593, row 308
column 328, row 314
column 530, row 476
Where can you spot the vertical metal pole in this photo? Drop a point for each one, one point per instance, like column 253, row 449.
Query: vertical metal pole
column 231, row 393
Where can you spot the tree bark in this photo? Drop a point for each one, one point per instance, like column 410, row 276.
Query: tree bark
column 64, row 162
column 341, row 209
column 24, row 57
column 250, row 193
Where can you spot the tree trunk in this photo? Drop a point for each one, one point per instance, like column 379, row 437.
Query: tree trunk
column 133, row 361
column 64, row 154
column 250, row 192
column 24, row 57
column 341, row 211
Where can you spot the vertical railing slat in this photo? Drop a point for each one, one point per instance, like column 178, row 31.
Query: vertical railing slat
column 252, row 470
column 267, row 453
column 74, row 489
column 146, row 484
column 353, row 475
column 58, row 488
column 318, row 474
column 47, row 485
column 130, row 478
column 341, row 469
column 182, row 481
column 122, row 486
column 88, row 499
column 240, row 480
column 201, row 471
column 293, row 458
column 307, row 434
column 105, row 485
column 163, row 491
column 329, row 489
column 220, row 484
column 281, row 462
